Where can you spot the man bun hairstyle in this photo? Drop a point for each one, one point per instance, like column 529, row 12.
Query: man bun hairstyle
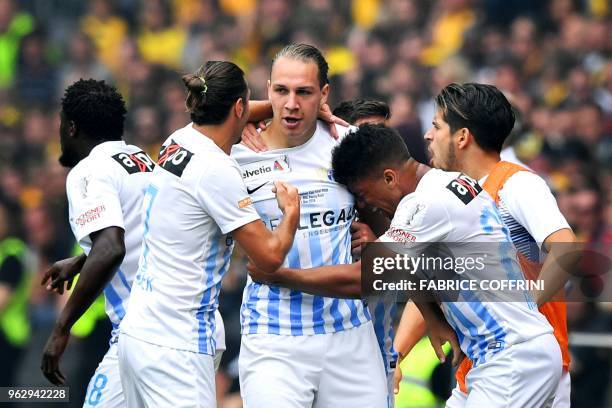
column 212, row 90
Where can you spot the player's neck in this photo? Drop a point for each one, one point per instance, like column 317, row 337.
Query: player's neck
column 479, row 164
column 221, row 135
column 84, row 149
column 275, row 138
column 409, row 177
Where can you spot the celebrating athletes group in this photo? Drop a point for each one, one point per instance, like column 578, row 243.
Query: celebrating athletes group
column 300, row 195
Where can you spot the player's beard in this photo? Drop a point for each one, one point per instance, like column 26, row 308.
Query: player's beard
column 451, row 157
column 68, row 159
column 443, row 160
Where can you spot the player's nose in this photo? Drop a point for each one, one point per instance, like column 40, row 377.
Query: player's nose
column 292, row 103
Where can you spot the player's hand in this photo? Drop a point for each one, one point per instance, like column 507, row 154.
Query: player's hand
column 259, row 275
column 360, row 234
column 52, row 353
column 440, row 332
column 252, row 139
column 397, row 378
column 287, row 196
column 326, row 115
column 62, row 272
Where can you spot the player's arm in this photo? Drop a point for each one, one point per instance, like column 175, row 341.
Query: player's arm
column 563, row 254
column 63, row 271
column 267, row 249
column 376, row 221
column 329, row 280
column 342, row 281
column 107, row 252
column 410, row 330
column 531, row 203
column 88, row 188
column 259, row 110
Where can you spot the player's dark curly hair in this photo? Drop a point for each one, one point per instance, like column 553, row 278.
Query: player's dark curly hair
column 96, row 108
column 366, row 152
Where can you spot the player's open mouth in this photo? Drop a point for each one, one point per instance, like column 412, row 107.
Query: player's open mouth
column 291, row 123
column 430, row 156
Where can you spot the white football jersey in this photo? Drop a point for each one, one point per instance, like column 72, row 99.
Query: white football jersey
column 323, row 237
column 196, row 198
column 104, row 190
column 530, row 211
column 452, row 208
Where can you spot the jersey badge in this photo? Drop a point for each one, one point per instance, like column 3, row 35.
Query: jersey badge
column 465, row 188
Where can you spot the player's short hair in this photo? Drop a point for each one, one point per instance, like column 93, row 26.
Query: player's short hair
column 306, row 52
column 483, row 109
column 367, row 108
column 344, row 110
column 212, row 90
column 357, row 109
column 96, row 108
column 366, row 152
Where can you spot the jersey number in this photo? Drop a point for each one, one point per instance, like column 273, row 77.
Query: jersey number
column 96, row 390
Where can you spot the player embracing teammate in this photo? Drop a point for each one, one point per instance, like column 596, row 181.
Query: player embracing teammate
column 469, row 128
column 300, row 350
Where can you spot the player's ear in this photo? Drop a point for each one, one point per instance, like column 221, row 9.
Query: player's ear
column 464, row 137
column 324, row 94
column 389, row 177
column 269, row 90
column 239, row 107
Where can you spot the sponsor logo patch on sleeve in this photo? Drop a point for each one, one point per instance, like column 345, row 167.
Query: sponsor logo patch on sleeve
column 90, row 215
column 245, row 202
column 399, row 235
column 465, row 188
column 174, row 158
column 133, row 163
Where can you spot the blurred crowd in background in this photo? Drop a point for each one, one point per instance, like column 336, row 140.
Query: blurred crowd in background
column 552, row 58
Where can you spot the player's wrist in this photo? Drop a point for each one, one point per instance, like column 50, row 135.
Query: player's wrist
column 80, row 261
column 279, row 276
column 292, row 210
column 400, row 356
